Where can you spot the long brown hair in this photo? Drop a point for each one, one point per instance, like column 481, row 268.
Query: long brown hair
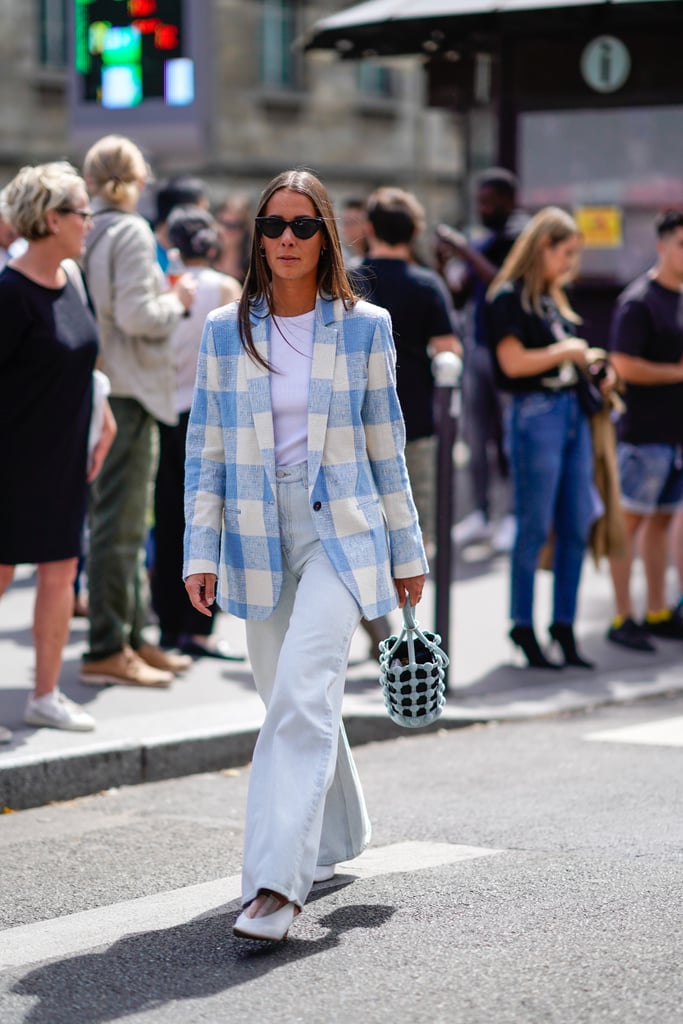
column 332, row 277
column 524, row 262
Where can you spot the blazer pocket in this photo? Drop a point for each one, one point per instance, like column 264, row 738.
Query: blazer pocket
column 371, row 507
column 378, row 529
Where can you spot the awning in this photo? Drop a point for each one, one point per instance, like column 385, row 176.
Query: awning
column 377, row 11
column 386, row 27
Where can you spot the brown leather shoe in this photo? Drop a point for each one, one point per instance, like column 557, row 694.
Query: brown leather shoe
column 124, row 667
column 164, row 660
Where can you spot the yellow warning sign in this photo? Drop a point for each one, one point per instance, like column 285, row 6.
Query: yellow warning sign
column 600, row 226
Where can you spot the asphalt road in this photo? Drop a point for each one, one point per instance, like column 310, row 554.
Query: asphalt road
column 527, row 872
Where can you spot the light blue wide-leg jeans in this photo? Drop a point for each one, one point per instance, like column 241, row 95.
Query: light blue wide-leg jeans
column 305, row 805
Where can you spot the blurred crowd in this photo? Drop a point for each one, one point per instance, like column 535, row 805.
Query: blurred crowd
column 568, row 447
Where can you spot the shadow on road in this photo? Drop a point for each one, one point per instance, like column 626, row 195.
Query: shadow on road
column 196, row 960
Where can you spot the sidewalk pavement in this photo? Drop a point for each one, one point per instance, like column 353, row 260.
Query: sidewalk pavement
column 209, row 718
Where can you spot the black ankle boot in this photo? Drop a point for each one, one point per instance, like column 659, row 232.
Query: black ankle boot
column 525, row 638
column 563, row 634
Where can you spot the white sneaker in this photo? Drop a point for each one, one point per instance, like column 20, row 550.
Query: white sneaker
column 56, row 711
column 504, row 535
column 5, row 735
column 474, row 527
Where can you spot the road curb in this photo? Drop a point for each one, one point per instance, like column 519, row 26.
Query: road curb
column 37, row 782
column 34, row 782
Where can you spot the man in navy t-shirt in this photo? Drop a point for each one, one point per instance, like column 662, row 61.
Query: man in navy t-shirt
column 647, row 352
column 414, row 296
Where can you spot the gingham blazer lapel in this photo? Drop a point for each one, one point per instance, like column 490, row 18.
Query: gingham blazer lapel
column 258, row 383
column 325, row 341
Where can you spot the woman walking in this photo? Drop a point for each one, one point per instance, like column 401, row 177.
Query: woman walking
column 298, row 508
column 539, row 357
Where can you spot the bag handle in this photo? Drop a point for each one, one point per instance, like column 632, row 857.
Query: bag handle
column 411, row 630
column 409, row 615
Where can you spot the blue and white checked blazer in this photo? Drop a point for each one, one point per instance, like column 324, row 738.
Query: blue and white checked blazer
column 358, row 482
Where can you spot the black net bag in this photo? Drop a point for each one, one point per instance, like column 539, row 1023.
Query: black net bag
column 412, row 674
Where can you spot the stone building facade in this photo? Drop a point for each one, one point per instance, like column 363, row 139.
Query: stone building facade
column 272, row 106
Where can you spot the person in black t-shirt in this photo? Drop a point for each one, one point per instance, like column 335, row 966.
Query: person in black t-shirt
column 533, row 331
column 496, row 199
column 422, row 326
column 647, row 344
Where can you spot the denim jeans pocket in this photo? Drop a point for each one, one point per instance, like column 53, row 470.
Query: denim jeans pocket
column 643, row 472
column 537, row 403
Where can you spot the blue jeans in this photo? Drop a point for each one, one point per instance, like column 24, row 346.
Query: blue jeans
column 551, row 460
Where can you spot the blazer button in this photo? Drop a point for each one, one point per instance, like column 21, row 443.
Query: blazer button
column 317, row 506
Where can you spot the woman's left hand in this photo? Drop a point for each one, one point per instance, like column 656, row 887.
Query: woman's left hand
column 104, row 444
column 609, row 381
column 410, row 587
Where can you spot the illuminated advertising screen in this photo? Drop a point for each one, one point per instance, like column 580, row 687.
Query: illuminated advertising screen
column 129, row 51
column 140, row 68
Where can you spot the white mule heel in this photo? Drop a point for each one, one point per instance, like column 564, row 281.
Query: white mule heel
column 324, row 872
column 268, row 928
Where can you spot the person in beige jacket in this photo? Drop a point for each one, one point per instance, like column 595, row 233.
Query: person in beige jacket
column 136, row 314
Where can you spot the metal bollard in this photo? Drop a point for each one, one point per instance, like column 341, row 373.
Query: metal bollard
column 447, row 370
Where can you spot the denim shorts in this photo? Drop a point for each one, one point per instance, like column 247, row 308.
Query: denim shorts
column 651, row 477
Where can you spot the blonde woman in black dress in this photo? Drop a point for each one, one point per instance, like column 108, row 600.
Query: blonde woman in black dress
column 48, row 347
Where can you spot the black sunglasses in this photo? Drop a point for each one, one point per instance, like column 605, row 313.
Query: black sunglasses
column 86, row 215
column 302, row 227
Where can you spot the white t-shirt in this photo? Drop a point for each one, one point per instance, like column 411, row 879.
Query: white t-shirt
column 291, row 352
column 101, row 389
column 187, row 334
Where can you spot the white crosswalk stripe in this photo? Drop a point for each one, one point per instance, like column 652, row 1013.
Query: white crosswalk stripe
column 668, row 732
column 77, row 933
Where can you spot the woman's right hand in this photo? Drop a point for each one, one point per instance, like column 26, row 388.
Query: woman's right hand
column 201, row 589
column 185, row 288
column 574, row 350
